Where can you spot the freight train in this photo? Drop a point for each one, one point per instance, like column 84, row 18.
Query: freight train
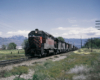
column 42, row 44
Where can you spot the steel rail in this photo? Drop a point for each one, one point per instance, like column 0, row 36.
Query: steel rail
column 13, row 61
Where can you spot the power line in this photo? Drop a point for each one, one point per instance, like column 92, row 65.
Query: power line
column 97, row 24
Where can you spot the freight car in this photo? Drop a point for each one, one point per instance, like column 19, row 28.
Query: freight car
column 42, row 44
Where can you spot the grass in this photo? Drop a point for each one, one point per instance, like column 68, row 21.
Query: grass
column 15, row 71
column 13, row 51
column 21, row 79
column 11, row 54
column 79, row 65
column 60, row 69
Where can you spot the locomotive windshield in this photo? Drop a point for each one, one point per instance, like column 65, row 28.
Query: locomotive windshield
column 31, row 35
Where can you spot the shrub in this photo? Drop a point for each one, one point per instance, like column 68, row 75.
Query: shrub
column 40, row 76
column 41, row 72
column 19, row 70
column 58, row 70
column 94, row 73
column 16, row 78
column 15, row 71
column 48, row 64
column 4, row 73
column 7, row 74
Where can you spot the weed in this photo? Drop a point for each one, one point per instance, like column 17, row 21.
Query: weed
column 6, row 54
column 15, row 71
column 58, row 70
column 19, row 70
column 48, row 64
column 4, row 73
column 40, row 76
column 16, row 78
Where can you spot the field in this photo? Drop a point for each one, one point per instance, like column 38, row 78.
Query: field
column 78, row 65
column 81, row 64
column 11, row 54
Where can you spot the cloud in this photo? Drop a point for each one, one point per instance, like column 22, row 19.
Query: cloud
column 72, row 21
column 76, row 32
column 0, row 33
column 19, row 32
column 91, row 33
column 74, row 25
column 66, row 32
column 61, row 28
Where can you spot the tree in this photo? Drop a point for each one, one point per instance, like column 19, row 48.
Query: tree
column 94, row 43
column 3, row 47
column 25, row 43
column 61, row 38
column 12, row 45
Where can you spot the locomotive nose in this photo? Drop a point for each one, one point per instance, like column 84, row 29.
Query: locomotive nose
column 35, row 42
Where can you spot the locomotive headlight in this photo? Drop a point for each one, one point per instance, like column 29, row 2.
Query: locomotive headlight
column 35, row 31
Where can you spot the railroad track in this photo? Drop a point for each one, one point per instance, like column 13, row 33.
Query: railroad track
column 13, row 61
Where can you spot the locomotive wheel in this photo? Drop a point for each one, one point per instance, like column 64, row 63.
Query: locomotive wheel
column 40, row 56
column 58, row 51
column 45, row 54
column 55, row 53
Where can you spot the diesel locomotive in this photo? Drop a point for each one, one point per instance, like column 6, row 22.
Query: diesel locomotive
column 42, row 44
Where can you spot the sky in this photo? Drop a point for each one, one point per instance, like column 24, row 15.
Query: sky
column 66, row 18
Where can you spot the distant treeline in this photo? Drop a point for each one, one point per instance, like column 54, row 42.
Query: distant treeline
column 94, row 43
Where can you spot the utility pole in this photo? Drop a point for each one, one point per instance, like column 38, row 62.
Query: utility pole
column 97, row 24
column 81, row 41
column 73, row 45
column 91, row 43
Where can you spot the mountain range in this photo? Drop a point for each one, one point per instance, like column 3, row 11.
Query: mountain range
column 16, row 39
column 76, row 42
column 19, row 40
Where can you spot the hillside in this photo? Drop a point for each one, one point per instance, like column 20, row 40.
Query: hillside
column 16, row 39
column 76, row 42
